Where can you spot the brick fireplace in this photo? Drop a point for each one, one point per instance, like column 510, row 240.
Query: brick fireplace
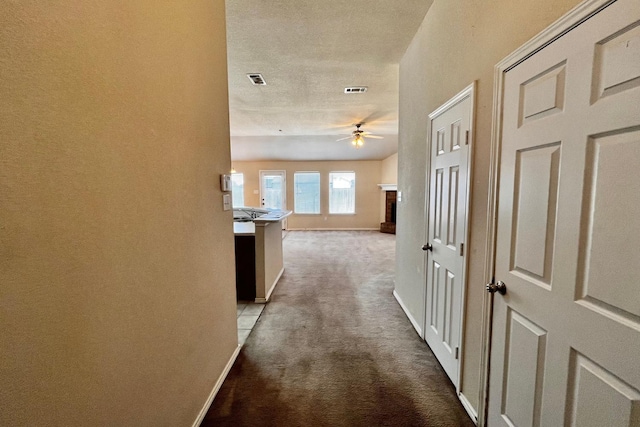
column 389, row 224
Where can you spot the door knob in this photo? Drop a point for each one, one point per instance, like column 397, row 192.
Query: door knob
column 427, row 247
column 499, row 287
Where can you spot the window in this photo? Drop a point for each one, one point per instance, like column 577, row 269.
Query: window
column 237, row 190
column 306, row 192
column 342, row 192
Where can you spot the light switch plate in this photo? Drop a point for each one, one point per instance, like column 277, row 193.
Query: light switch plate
column 226, row 202
column 399, row 196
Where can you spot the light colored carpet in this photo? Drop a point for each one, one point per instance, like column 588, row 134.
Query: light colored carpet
column 333, row 347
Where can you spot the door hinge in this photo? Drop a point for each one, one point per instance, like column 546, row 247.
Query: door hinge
column 461, row 249
column 457, row 352
column 466, row 137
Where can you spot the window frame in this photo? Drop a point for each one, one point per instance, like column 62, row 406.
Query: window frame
column 319, row 192
column 354, row 193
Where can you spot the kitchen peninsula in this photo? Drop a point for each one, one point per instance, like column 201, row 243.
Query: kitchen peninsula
column 258, row 250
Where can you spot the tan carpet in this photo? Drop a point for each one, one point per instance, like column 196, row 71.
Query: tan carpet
column 333, row 347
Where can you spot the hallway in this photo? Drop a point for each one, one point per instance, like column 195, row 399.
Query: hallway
column 333, row 347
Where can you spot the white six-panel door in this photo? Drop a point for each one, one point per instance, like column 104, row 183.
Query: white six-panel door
column 566, row 336
column 450, row 128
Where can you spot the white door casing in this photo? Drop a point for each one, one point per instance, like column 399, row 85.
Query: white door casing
column 565, row 346
column 450, row 130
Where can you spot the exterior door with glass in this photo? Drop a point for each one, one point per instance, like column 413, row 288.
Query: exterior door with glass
column 273, row 191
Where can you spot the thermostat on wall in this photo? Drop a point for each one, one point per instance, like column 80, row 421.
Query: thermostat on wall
column 225, row 182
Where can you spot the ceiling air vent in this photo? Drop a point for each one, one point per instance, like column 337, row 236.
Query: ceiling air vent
column 355, row 89
column 257, row 79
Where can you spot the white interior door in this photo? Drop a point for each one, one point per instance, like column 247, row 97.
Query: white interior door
column 450, row 127
column 273, row 191
column 566, row 335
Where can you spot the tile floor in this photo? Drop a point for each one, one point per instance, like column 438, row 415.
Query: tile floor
column 248, row 314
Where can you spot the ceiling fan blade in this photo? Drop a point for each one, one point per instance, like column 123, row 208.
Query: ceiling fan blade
column 376, row 116
column 374, row 136
column 346, row 137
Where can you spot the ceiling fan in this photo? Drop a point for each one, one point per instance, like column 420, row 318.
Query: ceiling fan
column 358, row 135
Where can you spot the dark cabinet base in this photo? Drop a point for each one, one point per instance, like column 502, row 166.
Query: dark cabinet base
column 245, row 267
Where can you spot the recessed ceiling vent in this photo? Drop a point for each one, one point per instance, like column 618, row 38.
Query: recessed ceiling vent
column 257, row 79
column 355, row 89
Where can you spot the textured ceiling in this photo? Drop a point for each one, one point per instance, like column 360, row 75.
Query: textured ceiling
column 308, row 52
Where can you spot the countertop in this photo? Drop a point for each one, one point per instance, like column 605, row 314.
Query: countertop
column 248, row 228
column 273, row 216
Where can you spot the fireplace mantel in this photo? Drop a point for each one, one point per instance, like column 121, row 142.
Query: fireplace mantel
column 388, row 187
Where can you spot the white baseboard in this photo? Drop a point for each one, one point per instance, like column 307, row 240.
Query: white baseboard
column 413, row 321
column 273, row 286
column 469, row 408
column 216, row 387
column 333, row 229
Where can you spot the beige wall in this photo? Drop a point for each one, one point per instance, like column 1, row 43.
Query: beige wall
column 117, row 302
column 388, row 175
column 389, row 172
column 458, row 42
column 367, row 192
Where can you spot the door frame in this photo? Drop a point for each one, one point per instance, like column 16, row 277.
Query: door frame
column 284, row 189
column 467, row 92
column 284, row 184
column 559, row 28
